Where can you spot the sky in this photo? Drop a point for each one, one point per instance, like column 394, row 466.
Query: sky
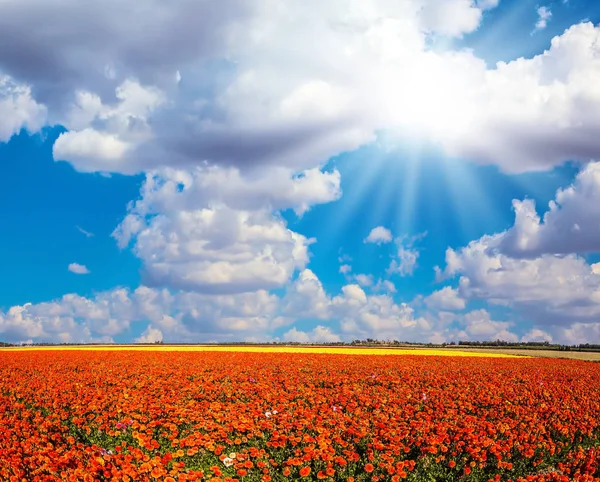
column 411, row 170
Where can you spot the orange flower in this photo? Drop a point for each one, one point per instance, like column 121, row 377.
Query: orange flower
column 490, row 414
column 304, row 471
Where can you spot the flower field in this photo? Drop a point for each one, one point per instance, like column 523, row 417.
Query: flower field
column 246, row 416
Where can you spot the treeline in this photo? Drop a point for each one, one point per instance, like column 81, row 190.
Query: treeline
column 531, row 345
column 519, row 344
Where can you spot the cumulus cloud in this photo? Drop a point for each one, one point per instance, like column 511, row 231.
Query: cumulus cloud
column 379, row 235
column 570, row 225
column 445, row 299
column 102, row 138
column 306, row 298
column 192, row 316
column 94, row 150
column 219, row 250
column 535, row 267
column 537, row 335
column 150, row 335
column 478, row 325
column 318, row 334
column 385, row 285
column 548, row 289
column 578, row 333
column 78, row 268
column 452, row 17
column 532, row 113
column 249, row 86
column 243, row 73
column 18, row 109
column 179, row 316
column 404, row 261
column 378, row 316
column 273, row 189
column 215, row 230
column 258, row 316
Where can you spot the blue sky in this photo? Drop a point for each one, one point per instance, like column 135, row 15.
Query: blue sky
column 42, row 204
column 308, row 173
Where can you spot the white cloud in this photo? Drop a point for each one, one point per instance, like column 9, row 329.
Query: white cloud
column 544, row 14
column 379, row 235
column 537, row 335
column 306, row 298
column 531, row 115
column 20, row 323
column 354, row 293
column 534, row 267
column 275, row 111
column 364, row 279
column 282, row 99
column 219, row 250
column 206, row 186
column 345, row 269
column 378, row 316
column 18, row 109
column 102, row 137
column 78, row 268
column 213, row 231
column 579, row 333
column 445, row 299
column 554, row 291
column 318, row 334
column 150, row 335
column 571, row 224
column 452, row 17
column 404, row 261
column 478, row 325
column 178, row 316
column 385, row 285
column 90, row 150
column 249, row 87
column 475, row 325
column 256, row 316
column 353, row 313
column 548, row 289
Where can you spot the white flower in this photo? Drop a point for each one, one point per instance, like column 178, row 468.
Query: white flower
column 228, row 462
column 268, row 414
